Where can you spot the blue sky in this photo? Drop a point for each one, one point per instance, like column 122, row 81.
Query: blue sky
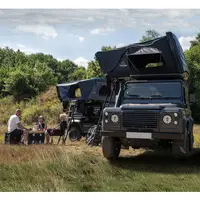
column 77, row 34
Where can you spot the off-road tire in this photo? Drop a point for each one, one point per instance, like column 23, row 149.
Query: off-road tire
column 74, row 134
column 111, row 148
column 182, row 148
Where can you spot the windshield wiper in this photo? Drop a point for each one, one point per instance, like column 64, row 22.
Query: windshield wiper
column 162, row 97
column 150, row 97
column 156, row 96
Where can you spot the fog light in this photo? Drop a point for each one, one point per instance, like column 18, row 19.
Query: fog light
column 175, row 114
column 106, row 121
column 175, row 122
column 106, row 113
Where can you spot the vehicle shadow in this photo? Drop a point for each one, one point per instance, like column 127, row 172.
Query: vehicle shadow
column 160, row 163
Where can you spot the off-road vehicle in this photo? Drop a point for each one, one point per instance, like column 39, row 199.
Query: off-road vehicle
column 82, row 100
column 152, row 107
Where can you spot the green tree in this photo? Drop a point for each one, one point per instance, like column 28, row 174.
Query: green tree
column 193, row 61
column 196, row 41
column 93, row 69
column 65, row 70
column 150, row 35
column 26, row 82
column 79, row 74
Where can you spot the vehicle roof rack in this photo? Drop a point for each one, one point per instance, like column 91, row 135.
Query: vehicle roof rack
column 183, row 76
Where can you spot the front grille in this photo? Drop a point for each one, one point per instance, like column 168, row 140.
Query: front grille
column 139, row 119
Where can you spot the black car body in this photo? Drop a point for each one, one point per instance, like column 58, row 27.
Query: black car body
column 152, row 107
column 86, row 106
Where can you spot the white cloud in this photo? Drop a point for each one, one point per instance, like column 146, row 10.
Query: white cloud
column 25, row 49
column 97, row 31
column 21, row 47
column 81, row 39
column 181, row 21
column 185, row 41
column 60, row 59
column 80, row 61
column 90, row 19
column 45, row 31
column 120, row 45
column 44, row 37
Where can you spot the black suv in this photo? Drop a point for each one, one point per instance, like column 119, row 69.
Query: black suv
column 151, row 114
column 152, row 107
column 83, row 101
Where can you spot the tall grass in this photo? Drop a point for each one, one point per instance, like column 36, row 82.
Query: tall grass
column 77, row 167
column 80, row 168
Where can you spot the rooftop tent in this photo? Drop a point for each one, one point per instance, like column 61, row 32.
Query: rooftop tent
column 63, row 90
column 91, row 89
column 163, row 55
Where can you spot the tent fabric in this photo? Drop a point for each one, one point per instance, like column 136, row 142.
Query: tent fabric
column 89, row 89
column 132, row 59
column 147, row 50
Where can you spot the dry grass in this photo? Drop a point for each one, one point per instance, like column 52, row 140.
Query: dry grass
column 49, row 95
column 77, row 167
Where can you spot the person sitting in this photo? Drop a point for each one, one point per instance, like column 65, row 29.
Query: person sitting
column 16, row 128
column 40, row 125
column 59, row 130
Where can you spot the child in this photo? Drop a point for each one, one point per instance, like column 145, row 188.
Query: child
column 40, row 125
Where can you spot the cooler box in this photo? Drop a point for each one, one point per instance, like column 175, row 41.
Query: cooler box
column 36, row 138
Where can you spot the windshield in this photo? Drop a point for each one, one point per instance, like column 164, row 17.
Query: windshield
column 153, row 92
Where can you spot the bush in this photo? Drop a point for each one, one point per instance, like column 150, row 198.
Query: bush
column 50, row 111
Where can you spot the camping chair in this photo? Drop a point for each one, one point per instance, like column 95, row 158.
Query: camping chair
column 62, row 135
column 69, row 121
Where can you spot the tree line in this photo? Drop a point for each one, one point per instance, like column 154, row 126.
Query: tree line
column 25, row 76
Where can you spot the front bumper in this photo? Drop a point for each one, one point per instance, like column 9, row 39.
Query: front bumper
column 136, row 135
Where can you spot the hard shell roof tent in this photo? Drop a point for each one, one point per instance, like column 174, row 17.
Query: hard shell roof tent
column 90, row 89
column 161, row 57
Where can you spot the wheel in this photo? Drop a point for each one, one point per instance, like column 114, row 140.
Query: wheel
column 191, row 140
column 74, row 134
column 111, row 148
column 181, row 148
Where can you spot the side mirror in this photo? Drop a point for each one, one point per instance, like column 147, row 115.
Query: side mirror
column 192, row 98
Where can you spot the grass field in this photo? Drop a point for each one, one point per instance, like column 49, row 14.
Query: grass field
column 77, row 167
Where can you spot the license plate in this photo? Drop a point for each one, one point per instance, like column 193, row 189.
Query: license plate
column 138, row 135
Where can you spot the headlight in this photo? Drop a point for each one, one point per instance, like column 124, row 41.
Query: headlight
column 114, row 118
column 167, row 119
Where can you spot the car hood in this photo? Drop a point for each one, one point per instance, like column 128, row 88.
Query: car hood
column 147, row 106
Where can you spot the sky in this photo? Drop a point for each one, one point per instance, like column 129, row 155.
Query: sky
column 77, row 34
